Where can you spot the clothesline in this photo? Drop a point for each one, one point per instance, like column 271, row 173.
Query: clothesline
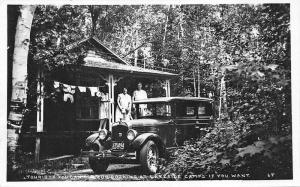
column 71, row 88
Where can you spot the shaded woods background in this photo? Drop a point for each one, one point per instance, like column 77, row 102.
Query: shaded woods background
column 248, row 45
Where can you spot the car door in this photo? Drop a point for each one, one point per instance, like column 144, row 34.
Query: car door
column 204, row 115
column 185, row 120
column 166, row 127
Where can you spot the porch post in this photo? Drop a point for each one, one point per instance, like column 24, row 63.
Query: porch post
column 168, row 92
column 111, row 93
column 40, row 114
column 40, row 103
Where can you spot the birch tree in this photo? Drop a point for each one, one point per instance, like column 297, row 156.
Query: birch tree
column 21, row 46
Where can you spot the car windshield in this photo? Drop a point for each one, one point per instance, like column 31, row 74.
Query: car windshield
column 153, row 110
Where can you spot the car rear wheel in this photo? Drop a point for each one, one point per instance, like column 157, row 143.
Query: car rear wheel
column 98, row 166
column 149, row 157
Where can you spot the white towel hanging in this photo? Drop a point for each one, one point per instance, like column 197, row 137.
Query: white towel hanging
column 82, row 89
column 56, row 84
column 94, row 90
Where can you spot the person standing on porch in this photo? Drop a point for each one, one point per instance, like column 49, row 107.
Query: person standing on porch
column 138, row 95
column 103, row 107
column 123, row 110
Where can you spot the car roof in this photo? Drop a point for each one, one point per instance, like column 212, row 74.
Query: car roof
column 169, row 99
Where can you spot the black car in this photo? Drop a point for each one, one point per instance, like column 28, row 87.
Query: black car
column 165, row 122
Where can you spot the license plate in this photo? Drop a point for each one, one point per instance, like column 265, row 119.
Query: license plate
column 118, row 146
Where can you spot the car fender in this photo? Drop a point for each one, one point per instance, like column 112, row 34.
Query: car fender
column 142, row 139
column 94, row 139
column 91, row 139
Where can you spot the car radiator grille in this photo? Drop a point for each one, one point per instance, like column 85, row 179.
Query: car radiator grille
column 119, row 133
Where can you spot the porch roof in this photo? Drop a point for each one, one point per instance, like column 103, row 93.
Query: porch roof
column 112, row 67
column 169, row 99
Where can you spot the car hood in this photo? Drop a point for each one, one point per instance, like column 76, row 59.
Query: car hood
column 147, row 122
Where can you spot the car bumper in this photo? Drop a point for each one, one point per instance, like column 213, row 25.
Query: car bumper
column 110, row 155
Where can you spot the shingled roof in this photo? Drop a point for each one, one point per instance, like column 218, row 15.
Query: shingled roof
column 98, row 47
column 106, row 59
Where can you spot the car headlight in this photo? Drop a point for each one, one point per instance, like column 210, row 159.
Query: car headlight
column 102, row 134
column 131, row 134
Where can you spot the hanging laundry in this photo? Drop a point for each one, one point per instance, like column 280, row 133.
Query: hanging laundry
column 94, row 90
column 98, row 94
column 73, row 89
column 77, row 91
column 82, row 89
column 88, row 92
column 68, row 97
column 67, row 88
column 68, row 93
column 56, row 84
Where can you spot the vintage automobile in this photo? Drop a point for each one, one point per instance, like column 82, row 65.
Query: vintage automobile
column 164, row 122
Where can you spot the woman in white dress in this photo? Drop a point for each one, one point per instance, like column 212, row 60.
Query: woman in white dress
column 103, row 107
column 123, row 110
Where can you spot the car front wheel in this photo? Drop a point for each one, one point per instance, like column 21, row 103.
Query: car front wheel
column 98, row 166
column 149, row 157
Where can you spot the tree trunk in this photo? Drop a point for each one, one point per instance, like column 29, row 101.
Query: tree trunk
column 20, row 55
column 136, row 45
column 198, row 77
column 166, row 26
column 136, row 51
column 165, row 32
column 95, row 12
column 223, row 101
column 194, row 78
column 180, row 27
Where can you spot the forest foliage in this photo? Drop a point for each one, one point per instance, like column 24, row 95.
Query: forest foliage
column 248, row 45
